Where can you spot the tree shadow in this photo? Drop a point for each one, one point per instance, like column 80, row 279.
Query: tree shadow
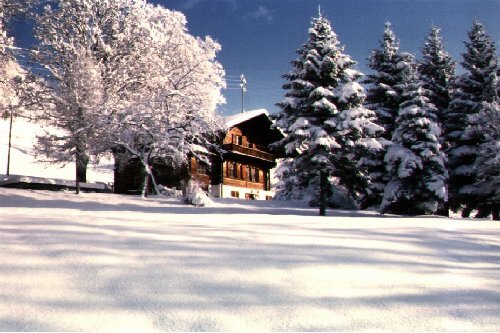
column 168, row 205
column 187, row 276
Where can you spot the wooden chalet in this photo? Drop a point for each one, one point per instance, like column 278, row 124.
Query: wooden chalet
column 243, row 170
column 240, row 169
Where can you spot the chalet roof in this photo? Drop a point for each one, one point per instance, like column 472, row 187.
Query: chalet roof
column 244, row 116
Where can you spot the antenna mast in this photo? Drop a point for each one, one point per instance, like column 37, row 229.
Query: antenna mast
column 243, row 86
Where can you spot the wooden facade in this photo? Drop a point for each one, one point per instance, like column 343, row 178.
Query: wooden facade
column 246, row 164
column 201, row 172
column 245, row 168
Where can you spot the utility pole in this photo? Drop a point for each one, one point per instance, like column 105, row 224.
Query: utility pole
column 243, row 86
column 10, row 142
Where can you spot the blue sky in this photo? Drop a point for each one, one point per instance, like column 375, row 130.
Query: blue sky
column 259, row 37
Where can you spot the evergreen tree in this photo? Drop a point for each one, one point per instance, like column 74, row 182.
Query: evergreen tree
column 471, row 89
column 487, row 163
column 327, row 129
column 437, row 71
column 415, row 163
column 383, row 97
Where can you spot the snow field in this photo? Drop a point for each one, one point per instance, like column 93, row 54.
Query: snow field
column 25, row 162
column 98, row 262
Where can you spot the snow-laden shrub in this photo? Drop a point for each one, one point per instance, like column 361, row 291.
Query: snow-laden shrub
column 196, row 196
column 169, row 192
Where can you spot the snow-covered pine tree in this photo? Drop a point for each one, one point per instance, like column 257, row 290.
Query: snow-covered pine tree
column 295, row 120
column 327, row 129
column 437, row 70
column 383, row 97
column 415, row 163
column 471, row 89
column 287, row 184
column 487, row 163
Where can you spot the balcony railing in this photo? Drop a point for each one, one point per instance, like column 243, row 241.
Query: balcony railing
column 255, row 152
column 244, row 183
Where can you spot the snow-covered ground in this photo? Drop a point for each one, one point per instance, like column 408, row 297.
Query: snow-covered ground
column 98, row 262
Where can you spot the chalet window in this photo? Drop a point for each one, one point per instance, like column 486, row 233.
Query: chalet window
column 238, row 140
column 201, row 168
column 250, row 196
column 235, row 194
column 236, row 171
column 253, row 174
column 232, row 170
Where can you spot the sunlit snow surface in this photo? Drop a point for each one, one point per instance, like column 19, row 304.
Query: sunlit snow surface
column 97, row 262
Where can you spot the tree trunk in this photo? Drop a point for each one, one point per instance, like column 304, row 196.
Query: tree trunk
column 145, row 188
column 149, row 176
column 483, row 212
column 82, row 159
column 322, row 192
column 81, row 168
column 466, row 212
column 153, row 182
column 81, row 162
column 10, row 143
column 443, row 210
column 116, row 171
column 77, row 178
column 147, row 179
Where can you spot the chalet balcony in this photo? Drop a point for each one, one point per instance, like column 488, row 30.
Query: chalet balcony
column 244, row 183
column 255, row 152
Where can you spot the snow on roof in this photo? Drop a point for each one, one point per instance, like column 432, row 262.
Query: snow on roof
column 239, row 118
column 199, row 149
